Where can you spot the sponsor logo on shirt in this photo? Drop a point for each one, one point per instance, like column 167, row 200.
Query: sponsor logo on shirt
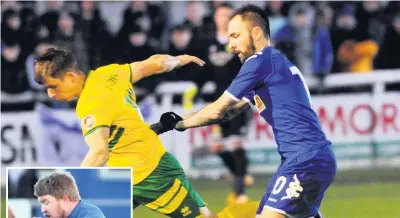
column 259, row 104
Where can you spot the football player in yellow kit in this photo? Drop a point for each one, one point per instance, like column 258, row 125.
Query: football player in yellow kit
column 115, row 131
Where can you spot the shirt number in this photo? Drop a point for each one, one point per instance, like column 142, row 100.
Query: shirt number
column 296, row 71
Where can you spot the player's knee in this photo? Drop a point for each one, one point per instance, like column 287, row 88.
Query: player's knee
column 241, row 162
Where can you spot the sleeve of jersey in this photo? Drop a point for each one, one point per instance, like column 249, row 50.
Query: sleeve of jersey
column 251, row 74
column 249, row 98
column 125, row 72
column 96, row 112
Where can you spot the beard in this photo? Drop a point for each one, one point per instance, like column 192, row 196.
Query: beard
column 58, row 214
column 250, row 50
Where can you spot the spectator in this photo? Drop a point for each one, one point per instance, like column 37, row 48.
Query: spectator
column 148, row 17
column 50, row 19
column 357, row 57
column 40, row 49
column 312, row 49
column 29, row 24
column 343, row 29
column 356, row 52
column 94, row 32
column 276, row 18
column 138, row 50
column 13, row 76
column 223, row 64
column 154, row 9
column 181, row 36
column 370, row 20
column 11, row 27
column 389, row 55
column 325, row 15
column 67, row 37
column 196, row 18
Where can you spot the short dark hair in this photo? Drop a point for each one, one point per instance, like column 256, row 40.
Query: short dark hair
column 54, row 63
column 58, row 185
column 255, row 15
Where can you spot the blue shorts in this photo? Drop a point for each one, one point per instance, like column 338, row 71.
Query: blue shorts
column 297, row 188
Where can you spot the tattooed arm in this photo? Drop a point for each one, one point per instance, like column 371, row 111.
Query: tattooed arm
column 225, row 108
column 158, row 64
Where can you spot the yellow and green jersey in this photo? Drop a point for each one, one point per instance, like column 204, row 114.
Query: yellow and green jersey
column 108, row 100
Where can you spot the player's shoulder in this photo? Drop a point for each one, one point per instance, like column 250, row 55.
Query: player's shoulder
column 106, row 76
column 92, row 210
column 108, row 70
column 259, row 59
column 111, row 67
column 111, row 74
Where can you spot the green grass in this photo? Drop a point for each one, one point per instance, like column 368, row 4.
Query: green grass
column 346, row 198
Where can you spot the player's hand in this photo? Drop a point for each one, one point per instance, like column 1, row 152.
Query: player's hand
column 186, row 59
column 169, row 120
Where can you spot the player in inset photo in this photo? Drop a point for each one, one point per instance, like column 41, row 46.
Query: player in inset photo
column 69, row 193
column 59, row 196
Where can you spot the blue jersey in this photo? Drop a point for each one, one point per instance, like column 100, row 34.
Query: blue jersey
column 86, row 210
column 278, row 90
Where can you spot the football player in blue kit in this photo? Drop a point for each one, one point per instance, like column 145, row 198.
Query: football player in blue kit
column 270, row 82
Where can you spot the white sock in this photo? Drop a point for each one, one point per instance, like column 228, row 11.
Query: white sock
column 205, row 211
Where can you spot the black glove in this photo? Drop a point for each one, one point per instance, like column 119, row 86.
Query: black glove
column 167, row 122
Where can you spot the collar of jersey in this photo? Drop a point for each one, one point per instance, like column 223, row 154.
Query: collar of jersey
column 258, row 53
column 75, row 211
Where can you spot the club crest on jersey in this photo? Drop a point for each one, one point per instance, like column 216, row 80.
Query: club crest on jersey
column 88, row 122
column 259, row 104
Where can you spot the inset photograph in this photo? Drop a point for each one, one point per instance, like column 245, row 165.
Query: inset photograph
column 69, row 192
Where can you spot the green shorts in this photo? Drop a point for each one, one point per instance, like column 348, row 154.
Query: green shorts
column 167, row 190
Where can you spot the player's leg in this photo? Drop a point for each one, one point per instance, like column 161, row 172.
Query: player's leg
column 234, row 132
column 218, row 147
column 298, row 189
column 166, row 190
column 192, row 206
column 231, row 133
column 241, row 165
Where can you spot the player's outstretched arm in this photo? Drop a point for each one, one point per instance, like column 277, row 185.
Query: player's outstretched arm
column 98, row 154
column 225, row 108
column 158, row 64
column 167, row 123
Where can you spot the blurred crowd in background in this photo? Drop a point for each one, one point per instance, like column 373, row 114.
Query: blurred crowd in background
column 321, row 38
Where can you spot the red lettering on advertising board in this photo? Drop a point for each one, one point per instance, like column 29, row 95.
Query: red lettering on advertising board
column 205, row 132
column 389, row 115
column 372, row 116
column 338, row 118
